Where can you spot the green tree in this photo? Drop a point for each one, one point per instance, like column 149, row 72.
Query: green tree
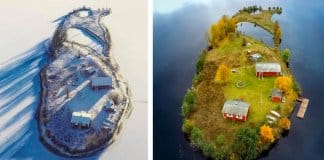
column 286, row 55
column 245, row 143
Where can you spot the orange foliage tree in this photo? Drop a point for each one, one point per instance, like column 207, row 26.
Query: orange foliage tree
column 284, row 83
column 284, row 123
column 266, row 133
column 222, row 74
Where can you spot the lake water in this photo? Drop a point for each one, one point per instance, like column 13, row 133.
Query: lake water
column 178, row 39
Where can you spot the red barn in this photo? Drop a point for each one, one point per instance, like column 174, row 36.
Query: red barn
column 276, row 95
column 267, row 69
column 236, row 110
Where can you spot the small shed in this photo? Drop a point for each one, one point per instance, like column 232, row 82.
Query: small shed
column 236, row 109
column 276, row 95
column 101, row 82
column 255, row 57
column 109, row 106
column 267, row 69
column 81, row 118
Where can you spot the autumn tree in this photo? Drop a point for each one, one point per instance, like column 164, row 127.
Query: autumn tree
column 222, row 74
column 286, row 55
column 277, row 34
column 266, row 133
column 284, row 123
column 284, row 83
column 221, row 29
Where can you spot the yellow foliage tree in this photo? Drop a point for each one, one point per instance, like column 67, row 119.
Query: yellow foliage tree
column 284, row 123
column 222, row 74
column 266, row 133
column 284, row 83
column 221, row 29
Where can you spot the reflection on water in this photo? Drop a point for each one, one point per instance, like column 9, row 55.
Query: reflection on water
column 178, row 39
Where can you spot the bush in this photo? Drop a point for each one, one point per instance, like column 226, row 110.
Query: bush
column 284, row 123
column 188, row 104
column 245, row 143
column 197, row 79
column 196, row 136
column 285, row 55
column 266, row 133
column 278, row 107
column 200, row 61
column 187, row 126
column 220, row 139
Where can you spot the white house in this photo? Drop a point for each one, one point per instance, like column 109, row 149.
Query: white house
column 81, row 118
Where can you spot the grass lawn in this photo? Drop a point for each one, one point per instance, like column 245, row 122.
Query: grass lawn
column 262, row 19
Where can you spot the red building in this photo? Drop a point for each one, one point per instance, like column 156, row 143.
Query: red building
column 267, row 69
column 236, row 110
column 277, row 95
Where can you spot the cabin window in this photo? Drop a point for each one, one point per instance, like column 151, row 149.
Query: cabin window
column 229, row 115
column 239, row 117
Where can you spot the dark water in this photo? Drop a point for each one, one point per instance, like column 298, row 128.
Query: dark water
column 178, row 39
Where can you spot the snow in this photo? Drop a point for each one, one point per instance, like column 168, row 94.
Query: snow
column 32, row 24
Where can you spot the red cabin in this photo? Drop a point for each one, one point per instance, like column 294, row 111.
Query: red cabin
column 277, row 95
column 236, row 110
column 267, row 69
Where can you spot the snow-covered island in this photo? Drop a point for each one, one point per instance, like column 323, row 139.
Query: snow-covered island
column 84, row 100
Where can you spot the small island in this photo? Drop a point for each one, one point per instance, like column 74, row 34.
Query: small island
column 243, row 92
column 84, row 99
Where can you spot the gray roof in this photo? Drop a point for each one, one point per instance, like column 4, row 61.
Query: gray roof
column 267, row 67
column 236, row 107
column 277, row 93
column 101, row 81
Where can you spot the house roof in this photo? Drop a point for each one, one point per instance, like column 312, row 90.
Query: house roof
column 81, row 118
column 267, row 67
column 101, row 81
column 236, row 107
column 277, row 93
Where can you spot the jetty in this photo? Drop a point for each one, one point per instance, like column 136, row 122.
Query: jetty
column 303, row 106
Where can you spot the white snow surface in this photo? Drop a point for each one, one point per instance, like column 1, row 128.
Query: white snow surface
column 29, row 23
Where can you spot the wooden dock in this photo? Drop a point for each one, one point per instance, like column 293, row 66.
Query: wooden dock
column 303, row 107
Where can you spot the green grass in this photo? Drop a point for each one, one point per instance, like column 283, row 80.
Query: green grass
column 262, row 19
column 256, row 92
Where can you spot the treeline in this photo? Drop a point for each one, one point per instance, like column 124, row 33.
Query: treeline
column 218, row 31
column 253, row 9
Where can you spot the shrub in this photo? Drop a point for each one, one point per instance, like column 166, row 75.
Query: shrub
column 285, row 55
column 200, row 61
column 197, row 79
column 187, row 126
column 196, row 136
column 188, row 104
column 220, row 139
column 284, row 123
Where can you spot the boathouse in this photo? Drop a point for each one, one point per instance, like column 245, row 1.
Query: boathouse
column 236, row 110
column 267, row 69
